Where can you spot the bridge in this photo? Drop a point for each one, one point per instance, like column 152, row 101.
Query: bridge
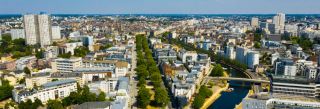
column 207, row 79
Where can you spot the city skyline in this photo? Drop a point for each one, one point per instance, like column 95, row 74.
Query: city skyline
column 160, row 7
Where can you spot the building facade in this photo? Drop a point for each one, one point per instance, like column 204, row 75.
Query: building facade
column 51, row 90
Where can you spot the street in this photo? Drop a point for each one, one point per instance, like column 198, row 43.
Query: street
column 133, row 82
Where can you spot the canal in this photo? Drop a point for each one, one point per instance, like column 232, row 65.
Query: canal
column 228, row 100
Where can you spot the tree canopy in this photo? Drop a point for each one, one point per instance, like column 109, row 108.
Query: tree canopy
column 81, row 51
column 161, row 96
column 143, row 98
column 217, row 70
column 204, row 93
column 5, row 90
column 54, row 104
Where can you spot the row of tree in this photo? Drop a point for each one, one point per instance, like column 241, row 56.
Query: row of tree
column 204, row 93
column 147, row 70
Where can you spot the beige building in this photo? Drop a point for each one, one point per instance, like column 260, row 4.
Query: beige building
column 66, row 65
column 31, row 29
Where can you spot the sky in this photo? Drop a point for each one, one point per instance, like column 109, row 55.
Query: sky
column 160, row 6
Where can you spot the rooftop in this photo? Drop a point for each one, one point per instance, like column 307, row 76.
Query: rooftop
column 57, row 83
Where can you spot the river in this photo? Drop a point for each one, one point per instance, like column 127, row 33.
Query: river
column 228, row 100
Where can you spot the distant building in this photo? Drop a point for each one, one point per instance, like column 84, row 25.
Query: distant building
column 38, row 29
column 31, row 27
column 272, row 28
column 17, row 33
column 255, row 22
column 56, row 33
column 279, row 22
column 45, row 31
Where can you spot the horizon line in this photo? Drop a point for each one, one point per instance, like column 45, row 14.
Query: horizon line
column 163, row 13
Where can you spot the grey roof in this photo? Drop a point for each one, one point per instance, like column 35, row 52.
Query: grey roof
column 123, row 83
column 57, row 83
column 93, row 105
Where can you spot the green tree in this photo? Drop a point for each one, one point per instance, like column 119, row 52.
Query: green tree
column 36, row 103
column 40, row 54
column 141, row 82
column 217, row 70
column 106, row 46
column 257, row 45
column 101, row 96
column 6, row 38
column 143, row 97
column 5, row 90
column 155, row 77
column 205, row 92
column 25, row 105
column 81, row 51
column 27, row 71
column 65, row 55
column 198, row 102
column 54, row 104
column 161, row 96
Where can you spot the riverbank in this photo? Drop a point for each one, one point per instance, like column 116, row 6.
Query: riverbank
column 216, row 89
column 239, row 106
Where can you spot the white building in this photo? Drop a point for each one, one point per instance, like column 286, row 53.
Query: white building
column 279, row 101
column 52, row 90
column 26, row 61
column 51, row 52
column 229, row 52
column 66, row 65
column 38, row 29
column 31, row 29
column 252, row 59
column 106, row 86
column 56, row 33
column 241, row 54
column 183, row 89
column 295, row 86
column 189, row 56
column 274, row 57
column 255, row 22
column 44, row 22
column 69, row 47
column 279, row 22
column 121, row 69
column 17, row 33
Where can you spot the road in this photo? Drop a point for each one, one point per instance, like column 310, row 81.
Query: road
column 133, row 82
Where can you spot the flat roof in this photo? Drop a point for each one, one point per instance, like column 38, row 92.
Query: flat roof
column 60, row 82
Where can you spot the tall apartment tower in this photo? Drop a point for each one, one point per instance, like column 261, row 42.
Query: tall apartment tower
column 31, row 29
column 45, row 31
column 279, row 22
column 56, row 33
column 37, row 29
column 255, row 22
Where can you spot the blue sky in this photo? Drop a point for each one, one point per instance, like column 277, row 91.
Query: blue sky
column 160, row 6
